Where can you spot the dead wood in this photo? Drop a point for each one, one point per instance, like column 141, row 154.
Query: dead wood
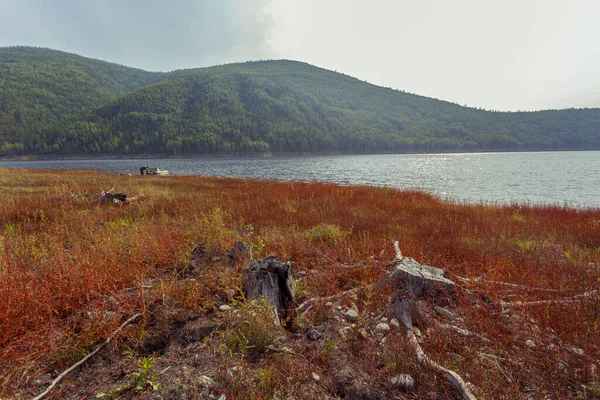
column 592, row 295
column 457, row 381
column 84, row 359
column 272, row 279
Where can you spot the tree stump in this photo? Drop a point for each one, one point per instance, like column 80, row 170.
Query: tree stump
column 271, row 278
column 114, row 198
column 417, row 283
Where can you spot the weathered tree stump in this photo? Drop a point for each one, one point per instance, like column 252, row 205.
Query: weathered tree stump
column 114, row 198
column 417, row 283
column 271, row 278
column 423, row 281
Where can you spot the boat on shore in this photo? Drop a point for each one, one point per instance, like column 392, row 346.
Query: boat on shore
column 153, row 171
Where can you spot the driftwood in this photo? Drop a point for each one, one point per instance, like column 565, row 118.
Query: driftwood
column 415, row 282
column 108, row 197
column 592, row 295
column 84, row 359
column 272, row 279
column 450, row 375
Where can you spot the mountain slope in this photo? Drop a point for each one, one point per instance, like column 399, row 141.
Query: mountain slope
column 284, row 106
column 41, row 88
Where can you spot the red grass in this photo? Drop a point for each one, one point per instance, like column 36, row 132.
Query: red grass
column 61, row 256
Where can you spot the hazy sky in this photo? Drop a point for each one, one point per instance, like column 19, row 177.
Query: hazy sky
column 495, row 54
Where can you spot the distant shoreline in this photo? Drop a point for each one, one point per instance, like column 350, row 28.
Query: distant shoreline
column 259, row 155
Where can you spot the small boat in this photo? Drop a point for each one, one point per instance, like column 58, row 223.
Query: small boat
column 157, row 171
column 152, row 171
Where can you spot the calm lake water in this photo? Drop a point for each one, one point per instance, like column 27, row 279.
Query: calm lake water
column 571, row 178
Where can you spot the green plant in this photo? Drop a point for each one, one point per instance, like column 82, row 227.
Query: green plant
column 325, row 233
column 250, row 328
column 139, row 380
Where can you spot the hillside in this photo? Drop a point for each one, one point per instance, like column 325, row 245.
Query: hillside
column 266, row 106
column 40, row 88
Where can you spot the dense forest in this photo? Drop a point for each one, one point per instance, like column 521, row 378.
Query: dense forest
column 60, row 103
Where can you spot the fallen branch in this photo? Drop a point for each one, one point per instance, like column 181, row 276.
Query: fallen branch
column 84, row 359
column 452, row 376
column 565, row 300
column 508, row 285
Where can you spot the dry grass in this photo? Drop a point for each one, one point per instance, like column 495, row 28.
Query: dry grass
column 66, row 264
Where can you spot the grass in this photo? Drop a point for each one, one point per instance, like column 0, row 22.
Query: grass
column 66, row 261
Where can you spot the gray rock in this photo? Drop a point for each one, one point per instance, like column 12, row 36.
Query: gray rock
column 316, row 377
column 530, row 344
column 208, row 382
column 551, row 348
column 395, row 323
column 382, row 328
column 562, row 367
column 225, row 307
column 404, row 382
column 445, row 313
column 576, row 350
column 351, row 315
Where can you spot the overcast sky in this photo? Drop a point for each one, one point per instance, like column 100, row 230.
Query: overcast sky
column 494, row 54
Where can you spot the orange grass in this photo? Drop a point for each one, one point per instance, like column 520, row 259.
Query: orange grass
column 65, row 260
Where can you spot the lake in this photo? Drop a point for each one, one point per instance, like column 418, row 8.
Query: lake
column 565, row 177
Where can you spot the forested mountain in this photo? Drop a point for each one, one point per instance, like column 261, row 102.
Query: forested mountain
column 66, row 104
column 40, row 88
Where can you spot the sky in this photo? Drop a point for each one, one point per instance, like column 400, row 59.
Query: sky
column 494, row 54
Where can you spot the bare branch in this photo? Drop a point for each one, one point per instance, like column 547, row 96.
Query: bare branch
column 84, row 359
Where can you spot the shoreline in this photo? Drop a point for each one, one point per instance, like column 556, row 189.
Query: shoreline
column 79, row 157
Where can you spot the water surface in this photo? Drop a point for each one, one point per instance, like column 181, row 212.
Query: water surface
column 571, row 178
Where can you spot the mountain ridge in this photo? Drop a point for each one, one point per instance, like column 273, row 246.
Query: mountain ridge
column 60, row 103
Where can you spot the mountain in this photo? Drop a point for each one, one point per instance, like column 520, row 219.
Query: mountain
column 40, row 88
column 67, row 104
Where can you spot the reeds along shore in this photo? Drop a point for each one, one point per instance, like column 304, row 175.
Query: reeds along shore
column 68, row 263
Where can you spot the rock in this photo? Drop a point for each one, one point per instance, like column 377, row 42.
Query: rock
column 329, row 304
column 351, row 315
column 562, row 367
column 404, row 382
column 302, row 273
column 444, row 313
column 208, row 382
column 382, row 328
column 530, row 344
column 313, row 335
column 222, row 397
column 576, row 350
column 395, row 323
column 344, row 331
column 316, row 377
column 551, row 348
column 225, row 307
